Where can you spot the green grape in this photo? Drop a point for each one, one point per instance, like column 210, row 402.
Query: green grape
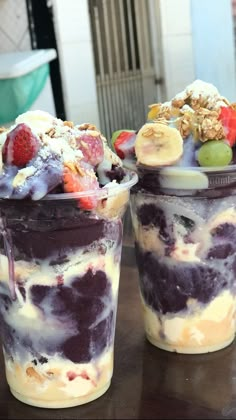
column 214, row 153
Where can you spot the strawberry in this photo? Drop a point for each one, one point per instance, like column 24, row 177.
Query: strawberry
column 123, row 143
column 91, row 146
column 76, row 182
column 227, row 117
column 21, row 146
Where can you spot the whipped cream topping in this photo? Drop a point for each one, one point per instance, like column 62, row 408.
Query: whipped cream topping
column 61, row 145
column 199, row 88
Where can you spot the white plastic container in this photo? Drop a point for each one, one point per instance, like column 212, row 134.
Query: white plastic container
column 25, row 83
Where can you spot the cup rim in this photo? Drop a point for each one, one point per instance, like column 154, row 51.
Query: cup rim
column 205, row 169
column 102, row 193
column 204, row 178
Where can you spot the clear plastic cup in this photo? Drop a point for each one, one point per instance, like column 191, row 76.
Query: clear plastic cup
column 184, row 221
column 59, row 278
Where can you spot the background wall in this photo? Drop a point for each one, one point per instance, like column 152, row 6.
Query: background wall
column 195, row 40
column 76, row 59
column 14, row 32
column 198, row 42
column 177, row 46
column 214, row 45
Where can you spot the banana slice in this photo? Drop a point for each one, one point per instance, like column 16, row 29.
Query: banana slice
column 183, row 179
column 158, row 145
column 114, row 206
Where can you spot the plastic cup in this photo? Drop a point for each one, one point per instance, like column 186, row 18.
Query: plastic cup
column 59, row 278
column 184, row 221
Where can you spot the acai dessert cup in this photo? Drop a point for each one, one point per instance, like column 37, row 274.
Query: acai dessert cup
column 63, row 194
column 184, row 218
column 184, row 221
column 59, row 278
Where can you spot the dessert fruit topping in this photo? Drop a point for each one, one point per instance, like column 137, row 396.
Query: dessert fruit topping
column 200, row 116
column 75, row 180
column 228, row 118
column 123, row 142
column 20, row 147
column 41, row 154
column 158, row 145
column 91, row 145
column 214, row 153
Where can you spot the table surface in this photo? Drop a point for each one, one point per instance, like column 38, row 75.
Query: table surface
column 147, row 383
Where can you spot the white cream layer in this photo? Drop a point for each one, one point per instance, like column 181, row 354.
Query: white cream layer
column 49, row 381
column 200, row 326
column 59, row 379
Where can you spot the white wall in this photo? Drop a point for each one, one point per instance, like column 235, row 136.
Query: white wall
column 177, row 47
column 213, row 44
column 76, row 60
column 14, row 31
column 198, row 43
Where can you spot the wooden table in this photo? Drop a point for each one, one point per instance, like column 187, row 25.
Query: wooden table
column 148, row 383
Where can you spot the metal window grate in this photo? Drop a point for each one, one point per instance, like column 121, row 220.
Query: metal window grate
column 123, row 60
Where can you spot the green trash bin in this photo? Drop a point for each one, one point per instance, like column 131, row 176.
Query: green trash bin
column 25, row 83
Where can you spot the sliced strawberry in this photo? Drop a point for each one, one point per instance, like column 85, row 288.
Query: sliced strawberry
column 74, row 182
column 123, row 143
column 91, row 146
column 228, row 118
column 21, row 146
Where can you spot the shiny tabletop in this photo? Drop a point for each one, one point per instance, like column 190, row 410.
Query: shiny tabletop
column 147, row 383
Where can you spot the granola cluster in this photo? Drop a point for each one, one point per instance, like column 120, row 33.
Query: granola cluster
column 207, row 125
column 195, row 111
